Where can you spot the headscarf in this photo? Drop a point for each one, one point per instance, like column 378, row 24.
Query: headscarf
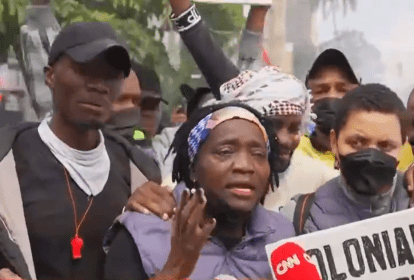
column 269, row 91
column 204, row 127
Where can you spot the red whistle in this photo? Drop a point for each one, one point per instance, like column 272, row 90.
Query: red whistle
column 77, row 245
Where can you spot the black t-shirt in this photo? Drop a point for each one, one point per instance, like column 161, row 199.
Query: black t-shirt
column 49, row 212
column 123, row 260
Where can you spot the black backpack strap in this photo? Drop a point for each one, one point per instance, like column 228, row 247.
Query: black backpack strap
column 302, row 211
column 146, row 164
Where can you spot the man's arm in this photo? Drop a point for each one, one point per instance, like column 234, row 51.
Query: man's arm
column 252, row 38
column 216, row 67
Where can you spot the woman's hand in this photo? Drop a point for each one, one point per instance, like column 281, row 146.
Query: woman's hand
column 7, row 274
column 153, row 198
column 190, row 232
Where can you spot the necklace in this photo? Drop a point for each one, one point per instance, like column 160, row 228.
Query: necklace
column 76, row 242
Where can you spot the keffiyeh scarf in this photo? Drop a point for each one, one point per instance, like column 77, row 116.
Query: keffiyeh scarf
column 269, row 91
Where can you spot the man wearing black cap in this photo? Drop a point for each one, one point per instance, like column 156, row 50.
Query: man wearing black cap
column 151, row 98
column 63, row 182
column 329, row 79
column 195, row 99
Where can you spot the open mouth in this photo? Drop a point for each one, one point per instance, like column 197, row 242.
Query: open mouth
column 241, row 190
column 91, row 106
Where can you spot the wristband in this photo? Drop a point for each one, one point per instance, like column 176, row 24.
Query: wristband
column 187, row 19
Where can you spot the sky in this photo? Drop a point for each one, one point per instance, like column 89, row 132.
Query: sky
column 389, row 25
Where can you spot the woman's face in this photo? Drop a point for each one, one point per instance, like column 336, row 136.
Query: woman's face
column 232, row 166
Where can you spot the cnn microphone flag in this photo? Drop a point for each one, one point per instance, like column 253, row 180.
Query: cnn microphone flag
column 289, row 261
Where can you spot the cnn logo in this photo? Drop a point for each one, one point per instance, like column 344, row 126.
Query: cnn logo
column 283, row 266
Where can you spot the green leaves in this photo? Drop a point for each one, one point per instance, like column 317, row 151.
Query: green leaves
column 141, row 23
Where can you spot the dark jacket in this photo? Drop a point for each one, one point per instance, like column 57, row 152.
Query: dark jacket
column 246, row 260
column 14, row 239
column 332, row 207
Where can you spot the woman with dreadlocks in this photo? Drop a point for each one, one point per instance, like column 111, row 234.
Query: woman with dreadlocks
column 284, row 101
column 224, row 161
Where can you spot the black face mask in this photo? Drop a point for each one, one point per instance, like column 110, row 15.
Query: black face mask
column 367, row 171
column 325, row 110
column 125, row 123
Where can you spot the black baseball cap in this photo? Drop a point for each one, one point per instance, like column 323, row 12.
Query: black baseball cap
column 148, row 81
column 332, row 57
column 193, row 96
column 83, row 41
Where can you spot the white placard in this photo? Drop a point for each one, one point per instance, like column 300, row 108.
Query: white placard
column 381, row 248
column 250, row 2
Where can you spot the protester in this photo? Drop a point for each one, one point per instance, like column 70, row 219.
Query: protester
column 196, row 98
column 281, row 97
column 36, row 38
column 407, row 158
column 220, row 228
column 367, row 138
column 63, row 182
column 287, row 125
column 161, row 143
column 151, row 98
column 329, row 79
column 126, row 114
column 285, row 101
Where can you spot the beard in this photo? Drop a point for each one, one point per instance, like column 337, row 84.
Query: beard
column 281, row 165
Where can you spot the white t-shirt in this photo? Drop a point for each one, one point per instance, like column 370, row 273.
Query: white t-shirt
column 304, row 175
column 89, row 169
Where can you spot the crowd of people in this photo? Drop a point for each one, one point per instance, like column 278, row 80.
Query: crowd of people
column 99, row 189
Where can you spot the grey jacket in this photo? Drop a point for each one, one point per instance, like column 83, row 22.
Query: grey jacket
column 247, row 260
column 332, row 207
column 14, row 238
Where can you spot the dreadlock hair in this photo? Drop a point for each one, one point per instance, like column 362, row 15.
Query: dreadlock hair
column 182, row 165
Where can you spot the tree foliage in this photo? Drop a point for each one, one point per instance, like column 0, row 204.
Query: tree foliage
column 142, row 23
column 364, row 56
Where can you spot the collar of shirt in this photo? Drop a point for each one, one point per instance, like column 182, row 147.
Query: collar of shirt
column 89, row 169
